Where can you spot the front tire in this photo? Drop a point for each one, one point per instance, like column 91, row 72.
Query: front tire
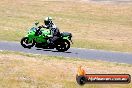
column 63, row 45
column 26, row 44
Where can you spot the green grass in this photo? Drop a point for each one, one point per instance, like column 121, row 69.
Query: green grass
column 96, row 26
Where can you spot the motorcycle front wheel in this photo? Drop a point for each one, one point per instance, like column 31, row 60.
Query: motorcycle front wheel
column 24, row 42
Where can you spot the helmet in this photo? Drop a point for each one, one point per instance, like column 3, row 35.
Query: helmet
column 47, row 20
column 36, row 23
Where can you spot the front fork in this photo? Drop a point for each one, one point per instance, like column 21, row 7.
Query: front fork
column 30, row 39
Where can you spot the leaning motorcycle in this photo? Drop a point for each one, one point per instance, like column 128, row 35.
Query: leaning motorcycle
column 40, row 40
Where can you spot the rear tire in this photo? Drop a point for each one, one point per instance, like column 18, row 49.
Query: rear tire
column 63, row 45
column 25, row 44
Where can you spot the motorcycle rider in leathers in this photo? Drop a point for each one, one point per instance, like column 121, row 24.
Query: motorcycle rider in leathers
column 55, row 31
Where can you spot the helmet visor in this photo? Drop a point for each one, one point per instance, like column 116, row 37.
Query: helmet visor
column 46, row 22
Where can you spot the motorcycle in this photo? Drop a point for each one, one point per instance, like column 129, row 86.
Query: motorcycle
column 41, row 40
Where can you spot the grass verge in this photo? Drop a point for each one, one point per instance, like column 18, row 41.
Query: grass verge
column 18, row 70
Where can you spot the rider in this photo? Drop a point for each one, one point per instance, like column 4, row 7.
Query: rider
column 50, row 25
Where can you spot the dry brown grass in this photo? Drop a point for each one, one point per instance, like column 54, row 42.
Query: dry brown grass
column 35, row 71
column 108, row 25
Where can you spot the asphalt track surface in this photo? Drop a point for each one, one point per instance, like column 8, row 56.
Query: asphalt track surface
column 119, row 57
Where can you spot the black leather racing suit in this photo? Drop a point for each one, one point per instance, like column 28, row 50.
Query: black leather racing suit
column 55, row 31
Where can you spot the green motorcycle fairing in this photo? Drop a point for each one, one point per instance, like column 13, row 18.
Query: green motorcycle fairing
column 66, row 36
column 38, row 38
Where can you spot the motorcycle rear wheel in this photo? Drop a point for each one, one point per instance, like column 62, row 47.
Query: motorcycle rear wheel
column 62, row 45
